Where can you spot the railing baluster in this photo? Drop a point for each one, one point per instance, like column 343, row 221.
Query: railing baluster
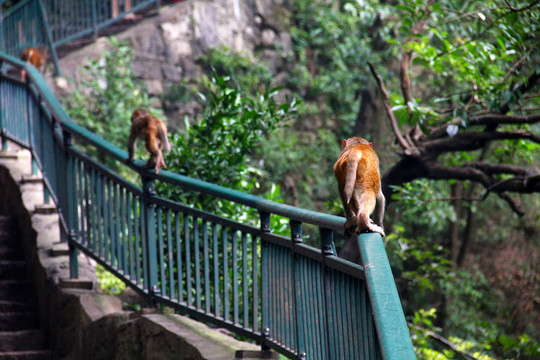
column 179, row 265
column 197, row 268
column 188, row 260
column 216, row 269
column 296, row 238
column 245, row 285
column 149, row 237
column 224, row 237
column 170, row 267
column 206, row 267
column 236, row 317
column 161, row 264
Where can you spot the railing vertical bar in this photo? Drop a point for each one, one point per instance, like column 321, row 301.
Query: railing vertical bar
column 143, row 244
column 245, row 285
column 187, row 241
column 341, row 318
column 161, row 264
column 91, row 208
column 225, row 237
column 107, row 221
column 281, row 309
column 170, row 254
column 272, row 279
column 353, row 319
column 296, row 238
column 124, row 210
column 130, row 236
column 197, row 268
column 364, row 316
column 138, row 257
column 216, row 269
column 265, row 289
column 206, row 268
column 236, row 317
column 93, row 14
column 101, row 215
column 179, row 265
column 117, row 227
column 254, row 248
column 327, row 249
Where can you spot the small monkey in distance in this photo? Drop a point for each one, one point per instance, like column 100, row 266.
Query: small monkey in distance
column 154, row 132
column 359, row 183
column 35, row 56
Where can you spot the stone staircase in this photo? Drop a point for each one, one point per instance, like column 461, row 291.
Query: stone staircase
column 20, row 335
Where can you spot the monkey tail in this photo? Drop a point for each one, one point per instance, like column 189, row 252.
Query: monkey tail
column 164, row 139
column 350, row 176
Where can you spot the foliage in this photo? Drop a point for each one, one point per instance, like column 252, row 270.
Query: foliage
column 108, row 283
column 218, row 147
column 423, row 204
column 107, row 95
column 243, row 72
column 288, row 157
column 331, row 45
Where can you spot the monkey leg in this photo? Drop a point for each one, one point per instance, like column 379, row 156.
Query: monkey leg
column 366, row 224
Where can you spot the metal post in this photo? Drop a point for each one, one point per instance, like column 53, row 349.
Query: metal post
column 50, row 41
column 296, row 237
column 93, row 14
column 265, row 330
column 2, row 108
column 328, row 249
column 149, row 237
column 71, row 201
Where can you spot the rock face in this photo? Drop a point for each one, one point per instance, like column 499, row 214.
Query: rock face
column 169, row 46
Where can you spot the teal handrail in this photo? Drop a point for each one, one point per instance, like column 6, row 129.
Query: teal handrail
column 303, row 302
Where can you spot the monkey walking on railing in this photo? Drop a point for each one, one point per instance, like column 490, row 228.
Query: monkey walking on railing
column 35, row 56
column 359, row 183
column 154, row 132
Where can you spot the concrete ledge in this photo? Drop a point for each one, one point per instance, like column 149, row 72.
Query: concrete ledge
column 78, row 322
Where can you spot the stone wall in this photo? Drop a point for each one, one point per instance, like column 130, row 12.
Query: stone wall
column 79, row 322
column 168, row 47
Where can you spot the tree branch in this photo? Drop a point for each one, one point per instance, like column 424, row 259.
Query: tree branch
column 492, row 169
column 523, row 8
column 473, row 140
column 444, row 341
column 408, row 148
column 504, row 119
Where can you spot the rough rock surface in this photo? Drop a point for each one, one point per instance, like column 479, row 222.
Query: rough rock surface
column 168, row 46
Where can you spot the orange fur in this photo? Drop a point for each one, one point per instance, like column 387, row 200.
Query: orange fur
column 154, row 132
column 35, row 56
column 359, row 184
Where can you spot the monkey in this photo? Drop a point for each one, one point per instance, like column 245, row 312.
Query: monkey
column 154, row 132
column 35, row 56
column 359, row 184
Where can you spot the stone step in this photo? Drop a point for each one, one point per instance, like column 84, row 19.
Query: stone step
column 23, row 340
column 26, row 355
column 15, row 290
column 18, row 321
column 17, row 306
column 13, row 269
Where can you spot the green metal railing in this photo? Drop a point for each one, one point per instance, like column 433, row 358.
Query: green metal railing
column 56, row 22
column 301, row 301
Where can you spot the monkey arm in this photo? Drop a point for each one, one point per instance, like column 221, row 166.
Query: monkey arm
column 132, row 141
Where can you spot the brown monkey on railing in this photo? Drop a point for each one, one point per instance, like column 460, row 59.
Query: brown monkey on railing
column 359, row 183
column 35, row 56
column 154, row 132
